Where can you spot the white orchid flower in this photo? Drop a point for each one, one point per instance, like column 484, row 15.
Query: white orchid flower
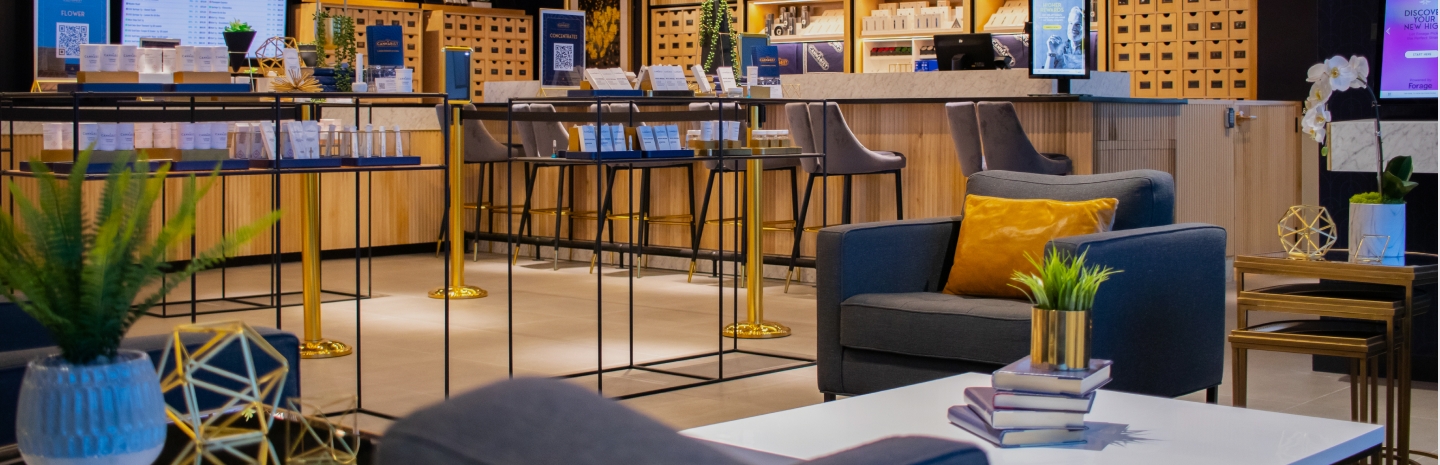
column 1319, row 94
column 1337, row 70
column 1315, row 121
column 1360, row 67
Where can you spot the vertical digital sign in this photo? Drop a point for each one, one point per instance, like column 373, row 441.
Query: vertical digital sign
column 1408, row 51
column 1059, row 38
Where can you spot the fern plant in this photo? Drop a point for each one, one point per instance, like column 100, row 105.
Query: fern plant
column 81, row 274
column 1064, row 282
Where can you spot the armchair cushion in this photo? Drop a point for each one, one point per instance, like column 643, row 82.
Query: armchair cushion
column 1147, row 197
column 931, row 324
column 1001, row 236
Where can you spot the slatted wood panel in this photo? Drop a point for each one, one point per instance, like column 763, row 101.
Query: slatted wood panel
column 1267, row 174
column 1205, row 182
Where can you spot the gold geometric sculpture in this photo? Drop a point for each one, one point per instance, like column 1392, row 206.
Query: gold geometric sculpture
column 271, row 54
column 322, row 431
column 1307, row 232
column 243, row 422
column 306, row 83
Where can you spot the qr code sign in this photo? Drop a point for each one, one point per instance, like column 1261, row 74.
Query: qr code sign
column 68, row 37
column 564, row 57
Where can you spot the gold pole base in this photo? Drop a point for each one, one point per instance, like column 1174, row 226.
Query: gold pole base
column 462, row 292
column 324, row 349
column 753, row 330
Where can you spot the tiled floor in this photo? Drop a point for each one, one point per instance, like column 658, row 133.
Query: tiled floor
column 554, row 325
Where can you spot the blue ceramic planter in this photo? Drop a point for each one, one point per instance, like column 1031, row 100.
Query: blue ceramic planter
column 111, row 414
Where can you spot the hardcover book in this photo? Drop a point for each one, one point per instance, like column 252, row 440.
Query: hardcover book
column 983, row 406
column 966, row 419
column 1022, row 376
column 386, row 44
column 1031, row 401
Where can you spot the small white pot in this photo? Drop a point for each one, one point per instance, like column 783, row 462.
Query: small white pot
column 1378, row 220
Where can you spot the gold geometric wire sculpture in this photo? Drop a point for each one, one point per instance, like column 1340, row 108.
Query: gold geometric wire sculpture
column 1307, row 232
column 252, row 399
column 306, row 83
column 322, row 431
column 271, row 54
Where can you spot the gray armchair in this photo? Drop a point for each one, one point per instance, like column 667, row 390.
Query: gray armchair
column 1006, row 146
column 535, row 421
column 883, row 322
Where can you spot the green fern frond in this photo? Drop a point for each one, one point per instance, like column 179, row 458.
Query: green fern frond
column 1063, row 283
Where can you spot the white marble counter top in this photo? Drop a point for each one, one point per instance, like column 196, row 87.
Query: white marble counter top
column 949, row 84
column 1352, row 144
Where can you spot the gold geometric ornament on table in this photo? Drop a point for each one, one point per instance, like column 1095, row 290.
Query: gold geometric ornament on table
column 241, row 425
column 1307, row 232
column 271, row 54
column 322, row 431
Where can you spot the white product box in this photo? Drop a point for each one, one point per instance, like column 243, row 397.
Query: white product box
column 151, row 60
column 110, row 57
column 163, row 136
column 202, row 135
column 107, row 133
column 204, row 58
column 125, row 136
column 221, row 60
column 144, row 135
column 129, row 56
column 187, row 58
column 67, row 136
column 53, row 133
column 90, row 57
column 89, row 135
column 187, row 136
column 220, row 135
column 169, row 60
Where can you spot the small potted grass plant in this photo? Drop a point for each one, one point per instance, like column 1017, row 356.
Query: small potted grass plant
column 238, row 36
column 1063, row 292
column 87, row 274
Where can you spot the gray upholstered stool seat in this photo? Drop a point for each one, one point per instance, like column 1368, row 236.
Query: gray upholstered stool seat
column 1008, row 149
column 480, row 148
column 965, row 131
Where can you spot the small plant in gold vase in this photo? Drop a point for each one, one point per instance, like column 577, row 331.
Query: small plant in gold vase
column 1063, row 293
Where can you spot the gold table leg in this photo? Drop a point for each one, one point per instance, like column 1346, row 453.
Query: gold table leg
column 457, row 288
column 315, row 345
column 755, row 326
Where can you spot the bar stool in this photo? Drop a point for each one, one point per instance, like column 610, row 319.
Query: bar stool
column 542, row 137
column 643, row 216
column 845, row 156
column 716, row 169
column 965, row 131
column 482, row 149
column 1006, row 146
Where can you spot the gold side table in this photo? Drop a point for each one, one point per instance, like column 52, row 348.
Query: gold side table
column 1406, row 273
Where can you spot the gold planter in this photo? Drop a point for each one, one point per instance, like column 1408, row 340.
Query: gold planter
column 1059, row 340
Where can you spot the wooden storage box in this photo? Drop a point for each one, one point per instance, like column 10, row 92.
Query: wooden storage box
column 397, row 18
column 1167, row 6
column 495, row 70
column 1241, row 4
column 1123, row 28
column 494, row 27
column 522, row 28
column 1142, row 84
column 1145, row 27
column 1167, row 83
column 1240, row 22
column 1167, row 55
column 1123, row 7
column 1192, row 5
column 509, row 50
column 1193, row 82
column 1216, row 5
column 522, row 49
column 1122, row 57
column 1145, row 56
column 362, row 17
column 1192, row 25
column 507, row 28
column 360, row 41
column 1240, row 54
column 1144, row 6
column 1217, row 83
column 411, row 21
column 1192, row 54
column 690, row 44
column 690, row 22
column 1217, row 25
column 523, row 70
column 1217, row 54
column 1167, row 27
column 1240, row 83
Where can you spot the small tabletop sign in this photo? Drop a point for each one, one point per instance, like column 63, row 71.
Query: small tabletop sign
column 727, row 78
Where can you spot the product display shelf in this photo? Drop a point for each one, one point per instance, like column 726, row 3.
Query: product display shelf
column 629, row 247
column 1196, row 49
column 76, row 107
column 500, row 41
column 408, row 16
column 672, row 33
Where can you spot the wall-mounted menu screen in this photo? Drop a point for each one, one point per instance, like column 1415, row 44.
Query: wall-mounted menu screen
column 200, row 22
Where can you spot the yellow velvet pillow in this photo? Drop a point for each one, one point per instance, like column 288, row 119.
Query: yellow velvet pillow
column 996, row 233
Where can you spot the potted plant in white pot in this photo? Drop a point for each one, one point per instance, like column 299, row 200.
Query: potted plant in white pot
column 1062, row 294
column 1377, row 214
column 87, row 274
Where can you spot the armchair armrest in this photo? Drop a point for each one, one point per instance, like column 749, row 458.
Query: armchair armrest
column 908, row 450
column 1162, row 319
column 882, row 257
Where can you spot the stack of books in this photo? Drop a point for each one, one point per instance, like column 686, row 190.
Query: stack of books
column 1028, row 406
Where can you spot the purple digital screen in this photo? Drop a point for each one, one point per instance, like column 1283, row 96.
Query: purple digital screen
column 1409, row 50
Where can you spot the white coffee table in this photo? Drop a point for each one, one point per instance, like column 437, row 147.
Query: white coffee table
column 1124, row 429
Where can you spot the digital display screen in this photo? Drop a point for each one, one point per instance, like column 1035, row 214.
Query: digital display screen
column 200, row 22
column 1408, row 50
column 1059, row 36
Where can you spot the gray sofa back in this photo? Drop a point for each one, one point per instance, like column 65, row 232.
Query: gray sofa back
column 1147, row 197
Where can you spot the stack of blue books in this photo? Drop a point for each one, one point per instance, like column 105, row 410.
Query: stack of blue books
column 1029, row 406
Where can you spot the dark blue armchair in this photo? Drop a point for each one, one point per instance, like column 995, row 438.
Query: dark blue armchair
column 883, row 322
column 23, row 339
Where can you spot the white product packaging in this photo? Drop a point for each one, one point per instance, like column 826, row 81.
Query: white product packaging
column 242, row 140
column 220, row 135
column 385, row 85
column 672, row 137
column 607, row 144
column 144, row 135
column 399, row 143
column 152, row 60
column 169, row 60
column 708, row 131
column 187, row 136
column 647, row 138
column 107, row 133
column 354, row 141
column 202, row 135
column 295, row 135
column 186, row 58
column 90, row 57
column 360, row 85
column 220, row 62
column 129, row 56
column 312, row 138
column 617, row 137
column 89, row 135
column 67, row 136
column 204, row 58
column 162, row 136
column 110, row 57
column 125, row 136
column 53, row 133
column 267, row 139
column 369, row 149
column 587, row 138
column 405, row 80
column 381, row 149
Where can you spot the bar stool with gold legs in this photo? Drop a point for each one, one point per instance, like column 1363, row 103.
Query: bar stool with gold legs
column 541, row 138
column 482, row 149
column 845, row 156
column 717, row 170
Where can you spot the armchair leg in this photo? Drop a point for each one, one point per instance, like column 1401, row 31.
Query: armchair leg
column 829, row 397
column 1212, row 394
